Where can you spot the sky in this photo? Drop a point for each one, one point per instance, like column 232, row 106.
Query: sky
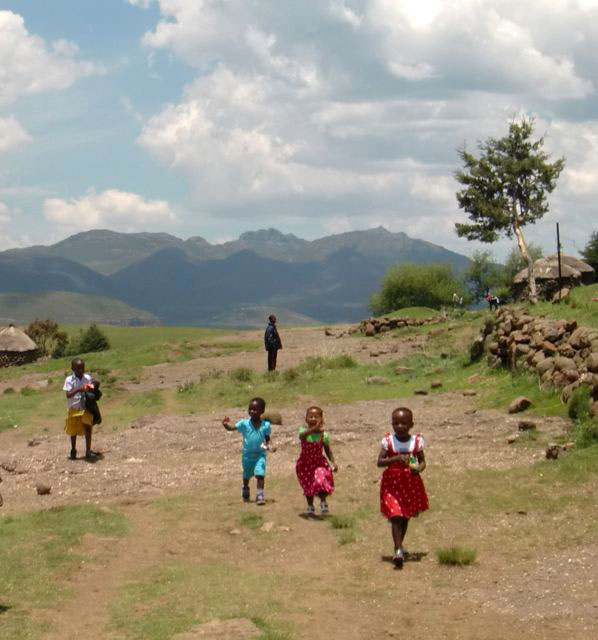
column 215, row 117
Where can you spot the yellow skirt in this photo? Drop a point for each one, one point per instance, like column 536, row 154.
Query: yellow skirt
column 75, row 421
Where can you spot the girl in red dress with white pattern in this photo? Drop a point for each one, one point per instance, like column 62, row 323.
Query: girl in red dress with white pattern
column 313, row 470
column 402, row 492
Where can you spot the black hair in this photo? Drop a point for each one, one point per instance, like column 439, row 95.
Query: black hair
column 272, row 318
column 405, row 410
column 260, row 401
column 75, row 361
column 314, row 407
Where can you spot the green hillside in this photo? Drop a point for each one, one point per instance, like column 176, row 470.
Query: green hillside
column 73, row 308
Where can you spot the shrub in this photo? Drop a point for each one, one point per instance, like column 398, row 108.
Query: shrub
column 9, row 390
column 586, row 433
column 186, row 388
column 342, row 522
column 579, row 403
column 456, row 556
column 48, row 338
column 413, row 285
column 89, row 341
column 27, row 391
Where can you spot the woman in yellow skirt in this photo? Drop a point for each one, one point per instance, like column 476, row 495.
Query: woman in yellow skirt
column 79, row 422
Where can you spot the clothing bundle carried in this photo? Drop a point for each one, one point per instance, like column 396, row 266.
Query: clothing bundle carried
column 89, row 402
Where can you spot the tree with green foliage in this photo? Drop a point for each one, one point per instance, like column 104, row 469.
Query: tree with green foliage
column 417, row 285
column 515, row 262
column 482, row 274
column 48, row 337
column 506, row 188
column 90, row 340
column 590, row 252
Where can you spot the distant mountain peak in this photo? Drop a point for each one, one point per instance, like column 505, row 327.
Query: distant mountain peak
column 268, row 235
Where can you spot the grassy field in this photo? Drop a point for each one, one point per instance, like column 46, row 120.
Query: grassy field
column 172, row 563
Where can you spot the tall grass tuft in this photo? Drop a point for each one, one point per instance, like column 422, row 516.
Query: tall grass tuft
column 241, row 374
column 456, row 556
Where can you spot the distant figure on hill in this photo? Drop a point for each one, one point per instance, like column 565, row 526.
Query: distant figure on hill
column 272, row 342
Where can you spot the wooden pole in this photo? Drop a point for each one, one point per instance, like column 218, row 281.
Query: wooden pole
column 558, row 252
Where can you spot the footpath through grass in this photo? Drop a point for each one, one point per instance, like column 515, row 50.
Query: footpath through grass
column 38, row 550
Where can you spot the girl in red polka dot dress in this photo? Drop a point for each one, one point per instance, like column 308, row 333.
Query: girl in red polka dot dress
column 313, row 470
column 402, row 492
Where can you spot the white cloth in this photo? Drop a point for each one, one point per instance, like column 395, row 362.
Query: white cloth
column 72, row 382
column 404, row 447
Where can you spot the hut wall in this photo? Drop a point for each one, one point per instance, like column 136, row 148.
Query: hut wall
column 16, row 358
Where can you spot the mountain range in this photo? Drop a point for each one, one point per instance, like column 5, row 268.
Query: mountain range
column 157, row 277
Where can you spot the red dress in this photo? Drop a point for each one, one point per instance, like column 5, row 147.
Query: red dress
column 402, row 492
column 313, row 471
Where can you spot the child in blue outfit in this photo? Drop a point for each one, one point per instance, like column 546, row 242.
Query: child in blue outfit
column 256, row 441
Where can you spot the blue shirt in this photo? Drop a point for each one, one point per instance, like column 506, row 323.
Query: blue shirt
column 253, row 438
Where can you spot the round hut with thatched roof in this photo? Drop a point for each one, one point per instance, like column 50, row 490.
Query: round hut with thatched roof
column 16, row 347
column 546, row 271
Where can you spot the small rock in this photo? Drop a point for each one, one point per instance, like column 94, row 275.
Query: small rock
column 470, row 392
column 526, row 425
column 42, row 489
column 11, row 467
column 513, row 438
column 377, row 380
column 435, row 384
column 401, row 370
column 552, row 451
column 34, row 442
column 267, row 527
column 420, row 392
column 234, row 532
column 470, row 412
column 283, row 529
column 519, row 404
column 328, row 332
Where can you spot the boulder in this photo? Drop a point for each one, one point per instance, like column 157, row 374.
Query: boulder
column 519, row 404
column 43, row 489
column 526, row 425
column 369, row 330
column 272, row 416
column 561, row 363
column 592, row 362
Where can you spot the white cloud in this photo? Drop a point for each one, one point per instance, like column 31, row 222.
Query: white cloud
column 110, row 209
column 12, row 134
column 28, row 65
column 10, row 238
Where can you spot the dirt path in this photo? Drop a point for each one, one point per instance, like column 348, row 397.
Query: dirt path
column 327, row 591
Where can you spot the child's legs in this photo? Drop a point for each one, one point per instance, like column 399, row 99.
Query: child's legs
column 310, row 500
column 259, row 472
column 399, row 529
column 322, row 495
column 73, row 442
column 88, row 429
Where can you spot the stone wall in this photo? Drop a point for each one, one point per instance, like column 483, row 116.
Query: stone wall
column 372, row 326
column 560, row 352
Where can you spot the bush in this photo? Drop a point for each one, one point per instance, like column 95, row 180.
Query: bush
column 414, row 285
column 89, row 341
column 48, row 338
column 579, row 403
column 586, row 433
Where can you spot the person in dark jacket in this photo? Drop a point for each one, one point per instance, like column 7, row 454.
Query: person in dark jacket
column 272, row 342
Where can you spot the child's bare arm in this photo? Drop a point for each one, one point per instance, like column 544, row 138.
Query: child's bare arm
column 421, row 459
column 330, row 457
column 384, row 460
column 269, row 445
column 309, row 430
column 226, row 423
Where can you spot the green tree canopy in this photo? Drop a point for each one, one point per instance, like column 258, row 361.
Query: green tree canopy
column 506, row 188
column 590, row 252
column 482, row 274
column 412, row 285
column 48, row 337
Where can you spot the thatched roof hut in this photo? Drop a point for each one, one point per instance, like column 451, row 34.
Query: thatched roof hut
column 16, row 347
column 546, row 271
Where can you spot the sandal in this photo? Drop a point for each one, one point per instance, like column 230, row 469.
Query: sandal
column 92, row 455
column 311, row 510
column 398, row 559
column 260, row 499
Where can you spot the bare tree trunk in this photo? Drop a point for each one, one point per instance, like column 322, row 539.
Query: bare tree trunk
column 531, row 280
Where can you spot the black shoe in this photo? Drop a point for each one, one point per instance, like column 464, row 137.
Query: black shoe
column 398, row 559
column 73, row 455
column 245, row 494
column 92, row 456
